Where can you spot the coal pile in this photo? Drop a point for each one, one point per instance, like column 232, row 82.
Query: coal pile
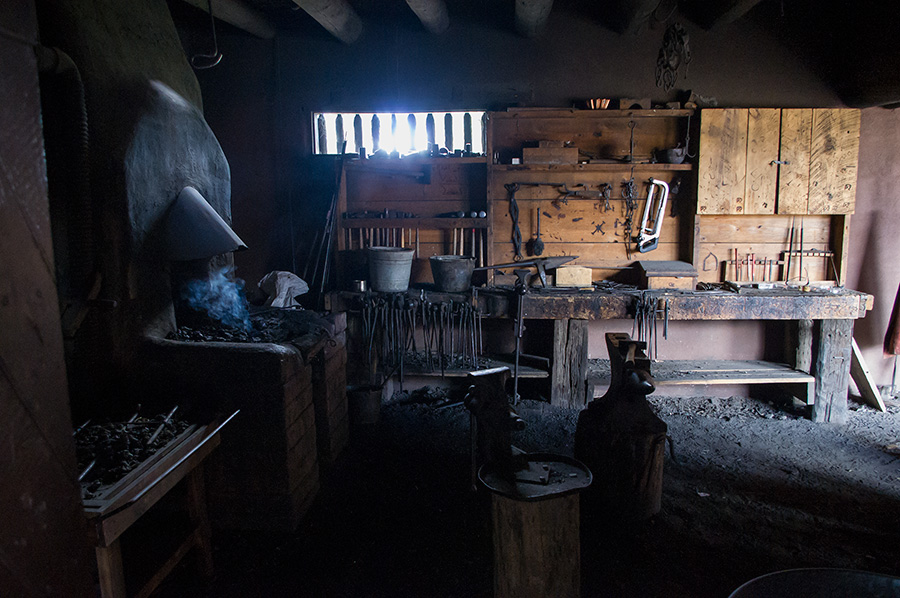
column 107, row 451
column 273, row 325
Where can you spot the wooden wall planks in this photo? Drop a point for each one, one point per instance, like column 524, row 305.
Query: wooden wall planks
column 766, row 239
column 597, row 134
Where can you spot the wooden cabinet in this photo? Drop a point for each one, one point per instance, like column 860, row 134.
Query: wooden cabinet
column 777, row 161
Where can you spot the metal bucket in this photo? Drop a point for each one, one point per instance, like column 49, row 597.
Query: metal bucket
column 389, row 269
column 797, row 583
column 452, row 273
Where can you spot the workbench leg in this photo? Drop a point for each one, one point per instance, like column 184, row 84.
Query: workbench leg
column 800, row 340
column 110, row 572
column 196, row 499
column 832, row 370
column 568, row 374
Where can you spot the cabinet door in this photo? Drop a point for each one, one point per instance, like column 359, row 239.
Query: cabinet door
column 833, row 159
column 723, row 161
column 737, row 172
column 761, row 183
column 793, row 176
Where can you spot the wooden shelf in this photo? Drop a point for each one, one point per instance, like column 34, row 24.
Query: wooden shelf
column 407, row 223
column 376, row 163
column 703, row 372
column 575, row 113
column 612, row 167
column 484, row 363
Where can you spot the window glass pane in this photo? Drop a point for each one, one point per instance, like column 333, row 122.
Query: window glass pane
column 402, row 139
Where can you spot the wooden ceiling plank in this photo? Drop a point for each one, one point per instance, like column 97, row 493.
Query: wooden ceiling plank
column 238, row 14
column 531, row 16
column 712, row 13
column 432, row 13
column 337, row 16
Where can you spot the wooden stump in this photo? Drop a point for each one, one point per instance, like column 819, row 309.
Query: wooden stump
column 537, row 550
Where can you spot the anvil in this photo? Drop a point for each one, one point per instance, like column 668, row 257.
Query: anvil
column 541, row 263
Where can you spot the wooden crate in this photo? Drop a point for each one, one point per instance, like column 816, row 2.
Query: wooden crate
column 667, row 275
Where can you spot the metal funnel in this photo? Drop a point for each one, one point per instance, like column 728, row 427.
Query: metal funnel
column 193, row 230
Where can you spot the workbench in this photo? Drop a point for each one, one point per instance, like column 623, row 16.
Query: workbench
column 823, row 321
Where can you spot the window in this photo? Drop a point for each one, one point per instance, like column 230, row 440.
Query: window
column 405, row 133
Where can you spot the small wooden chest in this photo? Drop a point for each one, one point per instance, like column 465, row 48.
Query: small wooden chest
column 667, row 275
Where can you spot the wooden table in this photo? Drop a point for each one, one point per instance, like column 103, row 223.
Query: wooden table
column 824, row 327
column 120, row 506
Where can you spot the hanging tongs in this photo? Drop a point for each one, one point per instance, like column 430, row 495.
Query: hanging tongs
column 648, row 239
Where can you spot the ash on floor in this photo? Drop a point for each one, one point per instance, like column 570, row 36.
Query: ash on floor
column 755, row 490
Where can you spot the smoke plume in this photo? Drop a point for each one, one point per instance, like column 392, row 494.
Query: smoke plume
column 220, row 297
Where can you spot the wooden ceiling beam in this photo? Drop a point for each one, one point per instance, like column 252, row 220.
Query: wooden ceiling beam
column 337, row 16
column 531, row 16
column 238, row 14
column 432, row 13
column 627, row 16
column 712, row 13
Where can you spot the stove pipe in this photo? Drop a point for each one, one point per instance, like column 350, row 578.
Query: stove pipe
column 193, row 230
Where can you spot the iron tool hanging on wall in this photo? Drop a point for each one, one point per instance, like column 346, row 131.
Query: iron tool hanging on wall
column 651, row 225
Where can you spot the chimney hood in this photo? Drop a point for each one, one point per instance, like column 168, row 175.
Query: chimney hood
column 193, row 230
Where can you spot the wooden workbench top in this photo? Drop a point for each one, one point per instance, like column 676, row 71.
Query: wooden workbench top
column 749, row 304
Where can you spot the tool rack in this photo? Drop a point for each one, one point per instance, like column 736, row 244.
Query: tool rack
column 613, row 148
column 764, row 201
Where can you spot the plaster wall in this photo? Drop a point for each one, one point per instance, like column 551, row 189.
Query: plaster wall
column 148, row 140
column 874, row 239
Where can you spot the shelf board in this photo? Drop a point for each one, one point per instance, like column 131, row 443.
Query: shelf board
column 694, row 372
column 485, row 363
column 600, row 114
column 376, row 163
column 407, row 223
column 613, row 167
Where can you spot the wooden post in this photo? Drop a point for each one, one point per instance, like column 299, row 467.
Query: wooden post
column 110, row 572
column 537, row 550
column 832, row 370
column 196, row 506
column 568, row 374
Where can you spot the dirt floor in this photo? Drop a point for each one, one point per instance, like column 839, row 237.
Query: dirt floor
column 756, row 488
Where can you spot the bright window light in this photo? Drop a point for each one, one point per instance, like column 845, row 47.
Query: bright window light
column 402, row 132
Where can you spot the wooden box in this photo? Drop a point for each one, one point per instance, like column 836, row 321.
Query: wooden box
column 549, row 155
column 573, row 276
column 667, row 275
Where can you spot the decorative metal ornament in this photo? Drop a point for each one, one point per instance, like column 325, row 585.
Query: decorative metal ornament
column 674, row 54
